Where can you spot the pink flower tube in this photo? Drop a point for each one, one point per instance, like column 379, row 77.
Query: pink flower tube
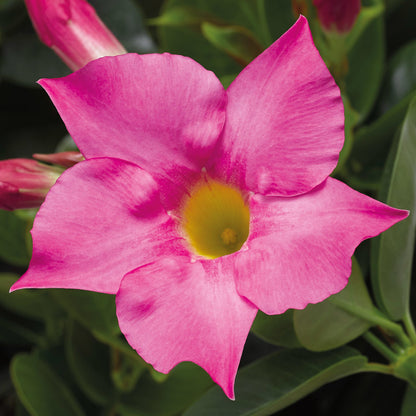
column 73, row 30
column 197, row 206
column 64, row 159
column 338, row 15
column 24, row 183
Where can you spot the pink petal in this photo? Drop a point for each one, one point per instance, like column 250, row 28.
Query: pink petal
column 174, row 310
column 285, row 120
column 102, row 219
column 299, row 249
column 162, row 112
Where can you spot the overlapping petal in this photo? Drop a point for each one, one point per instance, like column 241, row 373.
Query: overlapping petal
column 299, row 250
column 162, row 112
column 101, row 220
column 285, row 123
column 176, row 310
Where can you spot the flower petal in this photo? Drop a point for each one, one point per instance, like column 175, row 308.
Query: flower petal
column 162, row 112
column 299, row 250
column 102, row 219
column 285, row 120
column 176, row 310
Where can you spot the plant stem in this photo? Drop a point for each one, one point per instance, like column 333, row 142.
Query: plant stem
column 376, row 318
column 380, row 346
column 378, row 368
column 410, row 328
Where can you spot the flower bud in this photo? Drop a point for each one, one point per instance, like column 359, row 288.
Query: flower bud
column 24, row 183
column 64, row 159
column 73, row 30
column 337, row 15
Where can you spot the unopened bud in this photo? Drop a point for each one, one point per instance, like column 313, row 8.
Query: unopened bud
column 337, row 15
column 73, row 30
column 64, row 159
column 24, row 183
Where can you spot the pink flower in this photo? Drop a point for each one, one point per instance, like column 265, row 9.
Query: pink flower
column 24, row 183
column 198, row 206
column 73, row 30
column 338, row 15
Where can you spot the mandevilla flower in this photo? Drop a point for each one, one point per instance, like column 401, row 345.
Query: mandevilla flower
column 198, row 206
column 73, row 30
column 338, row 15
column 24, row 183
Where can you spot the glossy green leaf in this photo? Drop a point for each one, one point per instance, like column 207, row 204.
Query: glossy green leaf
column 189, row 41
column 392, row 252
column 236, row 41
column 89, row 361
column 326, row 325
column 13, row 248
column 371, row 147
column 40, row 389
column 185, row 383
column 409, row 402
column 276, row 329
column 182, row 16
column 365, row 68
column 275, row 382
column 400, row 78
column 351, row 119
column 96, row 311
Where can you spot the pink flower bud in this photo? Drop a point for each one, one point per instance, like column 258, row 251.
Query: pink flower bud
column 65, row 159
column 24, row 183
column 73, row 30
column 337, row 15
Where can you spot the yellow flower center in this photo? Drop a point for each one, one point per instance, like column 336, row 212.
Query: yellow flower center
column 215, row 219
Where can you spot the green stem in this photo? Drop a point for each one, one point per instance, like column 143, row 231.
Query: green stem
column 380, row 346
column 410, row 328
column 378, row 368
column 263, row 22
column 375, row 317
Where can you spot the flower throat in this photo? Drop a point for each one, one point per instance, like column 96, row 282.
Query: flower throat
column 215, row 219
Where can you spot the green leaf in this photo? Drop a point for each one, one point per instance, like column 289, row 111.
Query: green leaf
column 276, row 329
column 325, row 325
column 392, row 252
column 185, row 383
column 189, row 41
column 366, row 64
column 275, row 382
column 13, row 248
column 41, row 391
column 236, row 41
column 96, row 311
column 371, row 147
column 89, row 361
column 400, row 78
column 409, row 402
